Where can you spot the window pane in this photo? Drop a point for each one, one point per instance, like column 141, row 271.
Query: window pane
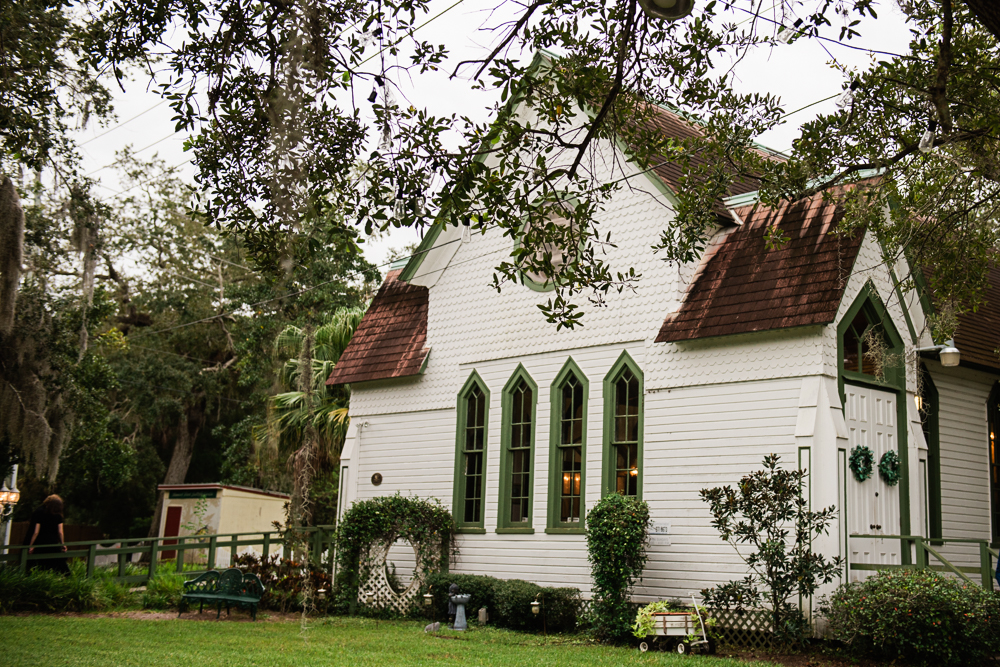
column 519, row 452
column 572, row 473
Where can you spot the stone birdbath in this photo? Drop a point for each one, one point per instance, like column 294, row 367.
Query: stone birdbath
column 460, row 601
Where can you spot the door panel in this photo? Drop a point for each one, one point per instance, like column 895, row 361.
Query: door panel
column 171, row 528
column 872, row 505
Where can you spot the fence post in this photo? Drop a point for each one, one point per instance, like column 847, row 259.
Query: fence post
column 91, row 557
column 985, row 565
column 24, row 559
column 212, row 546
column 152, row 557
column 121, row 563
column 180, row 554
column 267, row 546
column 232, row 551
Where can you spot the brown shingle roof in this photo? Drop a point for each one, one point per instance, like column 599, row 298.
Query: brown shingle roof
column 743, row 287
column 978, row 333
column 672, row 125
column 389, row 342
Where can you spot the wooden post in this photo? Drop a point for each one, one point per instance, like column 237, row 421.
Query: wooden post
column 152, row 557
column 267, row 546
column 121, row 564
column 91, row 558
column 921, row 553
column 212, row 546
column 317, row 549
column 985, row 565
column 232, row 551
column 180, row 554
column 24, row 559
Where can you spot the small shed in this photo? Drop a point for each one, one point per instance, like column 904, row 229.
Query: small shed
column 226, row 509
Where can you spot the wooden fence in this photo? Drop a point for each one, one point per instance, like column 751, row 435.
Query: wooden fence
column 155, row 552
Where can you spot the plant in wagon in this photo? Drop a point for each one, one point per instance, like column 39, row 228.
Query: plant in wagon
column 618, row 533
column 768, row 513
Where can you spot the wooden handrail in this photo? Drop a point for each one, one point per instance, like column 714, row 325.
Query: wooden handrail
column 985, row 569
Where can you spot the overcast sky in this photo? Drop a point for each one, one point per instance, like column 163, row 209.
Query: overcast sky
column 800, row 74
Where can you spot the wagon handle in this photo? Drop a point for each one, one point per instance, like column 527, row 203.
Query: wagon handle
column 704, row 635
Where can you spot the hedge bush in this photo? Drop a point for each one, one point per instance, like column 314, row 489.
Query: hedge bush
column 508, row 601
column 917, row 616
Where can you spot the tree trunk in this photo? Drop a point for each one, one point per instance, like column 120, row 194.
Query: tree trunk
column 188, row 427
column 11, row 251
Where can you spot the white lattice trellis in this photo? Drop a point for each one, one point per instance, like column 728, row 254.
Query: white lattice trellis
column 375, row 591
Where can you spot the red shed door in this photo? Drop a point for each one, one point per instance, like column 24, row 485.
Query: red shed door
column 171, row 529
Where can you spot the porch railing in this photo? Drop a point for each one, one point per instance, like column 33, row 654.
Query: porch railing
column 924, row 550
column 318, row 539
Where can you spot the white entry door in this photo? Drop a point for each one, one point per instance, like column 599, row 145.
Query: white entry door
column 872, row 505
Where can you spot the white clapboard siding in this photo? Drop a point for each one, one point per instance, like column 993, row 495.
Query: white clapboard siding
column 964, row 437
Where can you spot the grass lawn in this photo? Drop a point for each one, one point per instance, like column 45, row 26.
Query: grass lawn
column 349, row 642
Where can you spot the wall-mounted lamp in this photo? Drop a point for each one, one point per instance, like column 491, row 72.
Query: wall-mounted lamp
column 947, row 353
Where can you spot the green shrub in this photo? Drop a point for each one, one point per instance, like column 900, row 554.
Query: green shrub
column 164, row 591
column 42, row 590
column 917, row 616
column 616, row 548
column 508, row 602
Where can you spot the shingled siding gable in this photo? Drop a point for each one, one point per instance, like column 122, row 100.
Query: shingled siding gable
column 743, row 287
column 390, row 341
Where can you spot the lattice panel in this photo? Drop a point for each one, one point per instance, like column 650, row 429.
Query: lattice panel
column 750, row 629
column 375, row 591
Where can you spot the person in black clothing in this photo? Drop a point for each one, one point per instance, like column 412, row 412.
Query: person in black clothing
column 47, row 537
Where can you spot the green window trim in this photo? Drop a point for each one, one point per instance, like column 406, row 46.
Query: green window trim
column 517, row 452
column 462, row 504
column 894, row 380
column 577, row 482
column 610, row 443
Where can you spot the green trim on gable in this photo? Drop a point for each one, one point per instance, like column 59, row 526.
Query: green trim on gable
column 458, row 489
column 430, row 238
column 895, row 380
column 555, row 467
column 608, row 455
column 902, row 306
column 504, row 524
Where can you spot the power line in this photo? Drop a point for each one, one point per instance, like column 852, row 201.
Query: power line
column 826, row 39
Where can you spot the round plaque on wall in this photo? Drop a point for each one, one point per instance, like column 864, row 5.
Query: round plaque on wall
column 377, row 479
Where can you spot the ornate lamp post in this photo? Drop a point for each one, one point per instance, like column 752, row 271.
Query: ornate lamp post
column 9, row 495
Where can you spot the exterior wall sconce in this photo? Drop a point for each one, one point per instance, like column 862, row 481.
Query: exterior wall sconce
column 667, row 10
column 9, row 495
column 948, row 354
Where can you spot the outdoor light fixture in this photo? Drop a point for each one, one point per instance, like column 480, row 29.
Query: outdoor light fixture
column 927, row 144
column 788, row 34
column 8, row 498
column 536, row 607
column 668, row 10
column 466, row 230
column 428, row 599
column 948, row 354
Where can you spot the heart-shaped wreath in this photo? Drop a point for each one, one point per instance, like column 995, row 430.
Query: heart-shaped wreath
column 888, row 468
column 861, row 462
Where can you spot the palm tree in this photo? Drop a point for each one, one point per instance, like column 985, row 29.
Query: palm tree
column 306, row 422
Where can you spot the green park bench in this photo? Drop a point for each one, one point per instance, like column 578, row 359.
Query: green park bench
column 229, row 588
